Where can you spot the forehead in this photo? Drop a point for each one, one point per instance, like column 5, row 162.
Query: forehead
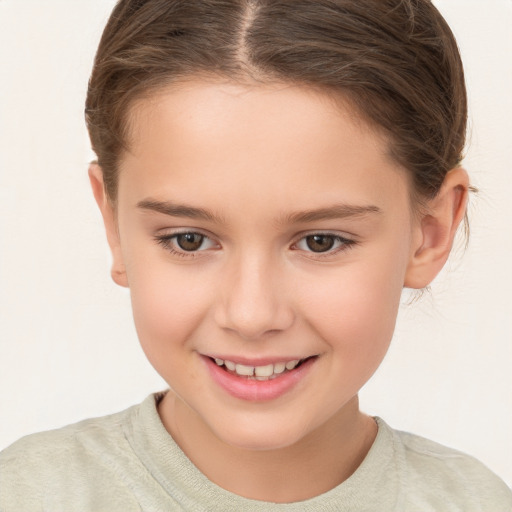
column 201, row 136
column 210, row 105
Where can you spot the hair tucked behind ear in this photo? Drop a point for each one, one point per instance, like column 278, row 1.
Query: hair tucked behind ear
column 396, row 61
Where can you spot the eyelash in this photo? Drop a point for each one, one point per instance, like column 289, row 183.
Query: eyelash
column 167, row 241
column 344, row 244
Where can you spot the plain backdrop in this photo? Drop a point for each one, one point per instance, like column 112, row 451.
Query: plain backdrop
column 68, row 348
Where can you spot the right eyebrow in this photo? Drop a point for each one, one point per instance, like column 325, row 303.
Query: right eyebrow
column 178, row 210
column 336, row 211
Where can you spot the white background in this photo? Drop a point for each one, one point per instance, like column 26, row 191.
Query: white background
column 68, row 349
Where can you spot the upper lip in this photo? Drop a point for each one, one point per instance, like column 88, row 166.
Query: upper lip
column 259, row 361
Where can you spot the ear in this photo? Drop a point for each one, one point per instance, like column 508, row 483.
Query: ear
column 435, row 231
column 118, row 270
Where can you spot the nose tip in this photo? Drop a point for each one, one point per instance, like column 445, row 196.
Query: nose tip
column 254, row 305
column 252, row 334
column 252, row 320
column 252, row 328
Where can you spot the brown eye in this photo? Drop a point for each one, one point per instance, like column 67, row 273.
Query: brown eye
column 323, row 244
column 187, row 243
column 320, row 243
column 190, row 241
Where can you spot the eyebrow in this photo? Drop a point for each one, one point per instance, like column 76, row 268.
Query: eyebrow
column 178, row 210
column 337, row 211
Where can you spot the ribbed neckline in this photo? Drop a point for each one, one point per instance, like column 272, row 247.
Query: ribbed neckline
column 371, row 486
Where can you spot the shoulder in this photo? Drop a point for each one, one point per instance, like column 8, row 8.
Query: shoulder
column 447, row 479
column 68, row 462
column 63, row 442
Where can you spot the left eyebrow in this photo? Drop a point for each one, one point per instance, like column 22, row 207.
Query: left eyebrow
column 178, row 210
column 337, row 211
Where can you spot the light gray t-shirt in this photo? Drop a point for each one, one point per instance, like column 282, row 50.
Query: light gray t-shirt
column 128, row 462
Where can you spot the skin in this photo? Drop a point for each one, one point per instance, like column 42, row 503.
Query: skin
column 252, row 157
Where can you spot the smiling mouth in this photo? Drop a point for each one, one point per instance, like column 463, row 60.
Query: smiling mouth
column 261, row 373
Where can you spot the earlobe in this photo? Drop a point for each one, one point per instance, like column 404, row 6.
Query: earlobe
column 107, row 210
column 435, row 231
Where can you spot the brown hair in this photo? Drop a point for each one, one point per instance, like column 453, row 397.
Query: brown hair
column 396, row 61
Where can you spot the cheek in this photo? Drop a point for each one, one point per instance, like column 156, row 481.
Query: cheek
column 167, row 307
column 355, row 312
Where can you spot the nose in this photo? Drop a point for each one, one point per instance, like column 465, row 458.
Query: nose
column 253, row 299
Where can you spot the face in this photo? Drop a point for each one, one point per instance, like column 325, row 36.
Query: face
column 265, row 236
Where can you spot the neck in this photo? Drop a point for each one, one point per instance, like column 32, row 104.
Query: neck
column 319, row 462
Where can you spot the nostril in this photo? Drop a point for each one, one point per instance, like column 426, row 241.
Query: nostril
column 252, row 305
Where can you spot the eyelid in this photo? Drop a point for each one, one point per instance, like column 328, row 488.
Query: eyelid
column 170, row 231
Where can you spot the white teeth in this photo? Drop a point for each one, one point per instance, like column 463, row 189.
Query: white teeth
column 279, row 367
column 258, row 372
column 290, row 365
column 246, row 371
column 264, row 371
column 230, row 365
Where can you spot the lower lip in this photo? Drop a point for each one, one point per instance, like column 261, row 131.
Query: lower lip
column 253, row 390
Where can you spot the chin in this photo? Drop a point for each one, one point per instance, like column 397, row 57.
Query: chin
column 259, row 435
column 254, row 441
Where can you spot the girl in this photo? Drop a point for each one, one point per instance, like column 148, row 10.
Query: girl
column 271, row 175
